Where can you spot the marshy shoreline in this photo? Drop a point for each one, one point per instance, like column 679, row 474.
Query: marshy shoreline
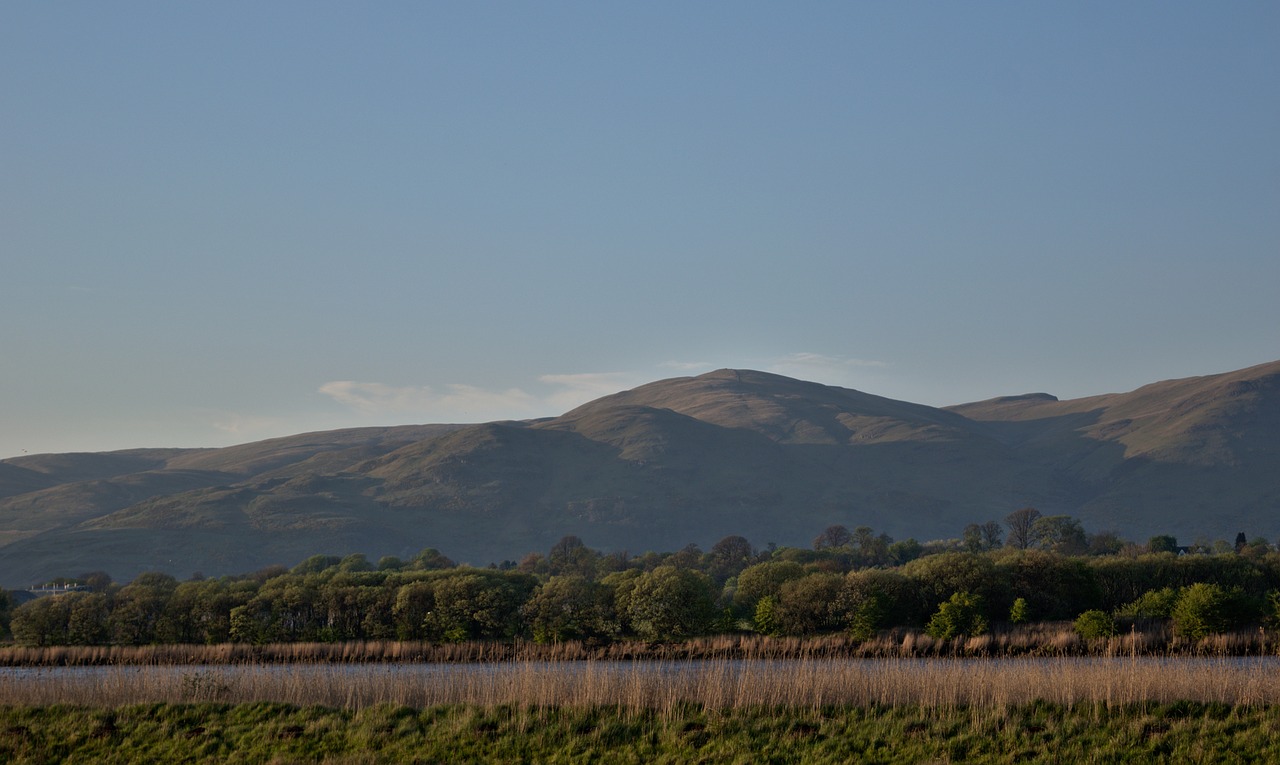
column 810, row 709
column 1041, row 640
column 810, row 683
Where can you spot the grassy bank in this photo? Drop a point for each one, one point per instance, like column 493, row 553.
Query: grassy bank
column 1049, row 639
column 1038, row 732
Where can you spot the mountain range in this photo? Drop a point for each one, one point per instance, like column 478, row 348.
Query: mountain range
column 689, row 459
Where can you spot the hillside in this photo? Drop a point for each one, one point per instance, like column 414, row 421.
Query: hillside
column 1199, row 455
column 683, row 460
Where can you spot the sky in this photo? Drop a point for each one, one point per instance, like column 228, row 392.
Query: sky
column 223, row 222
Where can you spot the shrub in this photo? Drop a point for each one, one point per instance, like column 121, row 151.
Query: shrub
column 1152, row 604
column 764, row 620
column 1020, row 612
column 1095, row 624
column 1205, row 609
column 959, row 615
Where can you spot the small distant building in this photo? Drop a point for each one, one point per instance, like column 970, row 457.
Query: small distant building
column 42, row 590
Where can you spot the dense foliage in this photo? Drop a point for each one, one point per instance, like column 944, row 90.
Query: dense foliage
column 852, row 581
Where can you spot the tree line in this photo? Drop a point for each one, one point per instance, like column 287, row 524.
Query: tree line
column 853, row 581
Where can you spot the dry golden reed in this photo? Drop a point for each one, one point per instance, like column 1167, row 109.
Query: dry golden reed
column 665, row 686
column 1042, row 639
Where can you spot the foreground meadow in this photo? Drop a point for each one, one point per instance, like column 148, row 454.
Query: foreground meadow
column 813, row 710
column 281, row 733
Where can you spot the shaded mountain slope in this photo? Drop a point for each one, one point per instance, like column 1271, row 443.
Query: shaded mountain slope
column 1200, row 454
column 683, row 460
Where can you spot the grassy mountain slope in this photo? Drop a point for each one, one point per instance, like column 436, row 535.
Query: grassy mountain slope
column 675, row 461
column 1199, row 455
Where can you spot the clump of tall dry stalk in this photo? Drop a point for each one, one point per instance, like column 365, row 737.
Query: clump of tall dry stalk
column 664, row 686
column 1038, row 640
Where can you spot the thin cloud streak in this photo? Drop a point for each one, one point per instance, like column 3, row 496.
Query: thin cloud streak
column 831, row 370
column 457, row 400
column 578, row 389
column 471, row 403
column 559, row 392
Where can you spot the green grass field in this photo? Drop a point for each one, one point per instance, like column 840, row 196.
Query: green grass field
column 278, row 733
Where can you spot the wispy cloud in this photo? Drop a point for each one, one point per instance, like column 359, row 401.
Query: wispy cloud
column 687, row 366
column 471, row 403
column 246, row 425
column 833, row 370
column 452, row 401
column 575, row 389
column 826, row 362
column 551, row 394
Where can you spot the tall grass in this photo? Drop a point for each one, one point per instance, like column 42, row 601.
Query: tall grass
column 1043, row 639
column 665, row 686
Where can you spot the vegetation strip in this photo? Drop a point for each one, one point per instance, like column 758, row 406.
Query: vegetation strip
column 663, row 686
column 1036, row 732
column 993, row 599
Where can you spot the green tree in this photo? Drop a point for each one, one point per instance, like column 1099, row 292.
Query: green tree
column 1152, row 604
column 1271, row 610
column 572, row 556
column 980, row 538
column 833, row 537
column 6, row 609
column 960, row 615
column 571, row 607
column 478, row 604
column 992, row 535
column 1055, row 586
column 1019, row 612
column 728, row 557
column 1105, row 543
column 763, row 620
column 430, row 559
column 87, row 614
column 1162, row 543
column 1059, row 533
column 390, row 563
column 139, row 607
column 904, row 551
column 40, row 622
column 355, row 562
column 671, row 603
column 867, row 618
column 936, row 577
column 1205, row 609
column 315, row 564
column 876, row 599
column 806, row 605
column 763, row 579
column 199, row 611
column 872, row 550
column 413, row 602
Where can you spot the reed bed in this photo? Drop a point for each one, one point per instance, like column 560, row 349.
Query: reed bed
column 666, row 686
column 1037, row 640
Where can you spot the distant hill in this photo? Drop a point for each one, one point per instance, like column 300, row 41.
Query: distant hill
column 676, row 461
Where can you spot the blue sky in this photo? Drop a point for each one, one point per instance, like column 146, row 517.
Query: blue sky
column 228, row 221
